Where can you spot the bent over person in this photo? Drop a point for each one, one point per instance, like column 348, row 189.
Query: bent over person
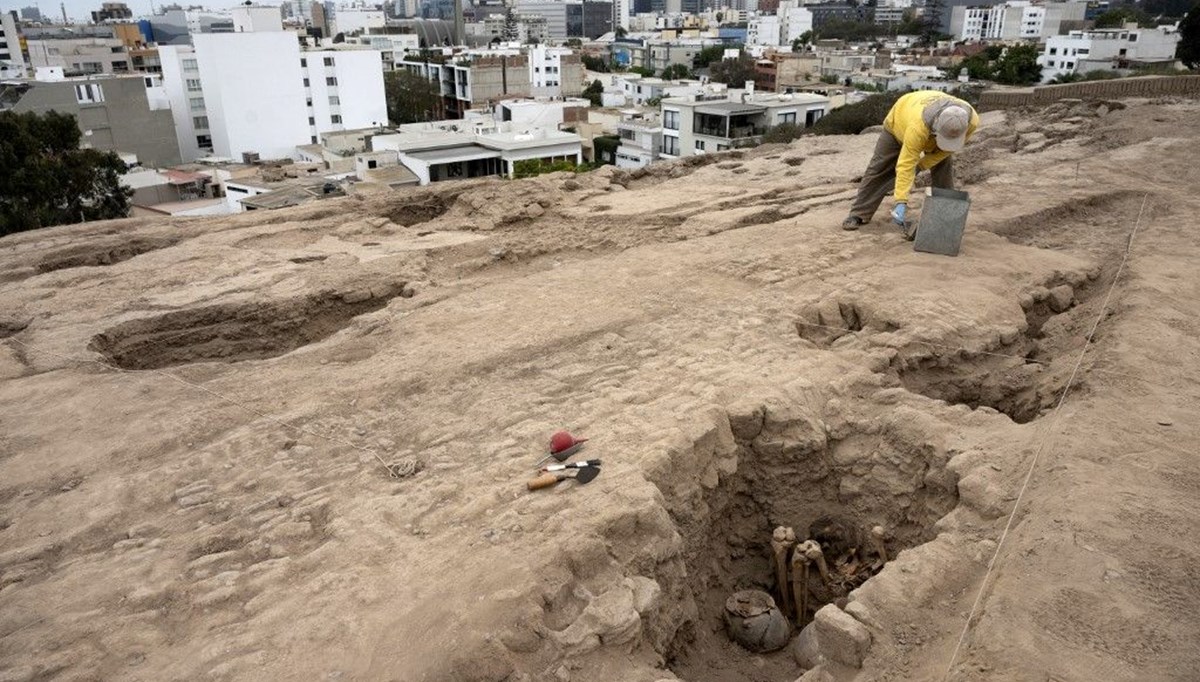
column 922, row 130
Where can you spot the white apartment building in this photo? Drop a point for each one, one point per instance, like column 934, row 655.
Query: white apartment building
column 622, row 11
column 699, row 125
column 641, row 140
column 789, row 22
column 10, row 47
column 546, row 70
column 251, row 18
column 1107, row 50
column 258, row 93
column 1013, row 20
column 358, row 20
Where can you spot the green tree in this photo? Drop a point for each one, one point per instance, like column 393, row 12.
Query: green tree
column 802, row 42
column 410, row 97
column 48, row 180
column 675, row 72
column 708, row 55
column 1018, row 66
column 594, row 92
column 1188, row 50
column 620, row 32
column 1119, row 16
column 642, row 71
column 733, row 71
column 595, row 64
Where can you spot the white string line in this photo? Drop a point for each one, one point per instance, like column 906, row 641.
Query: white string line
column 231, row 401
column 1036, row 455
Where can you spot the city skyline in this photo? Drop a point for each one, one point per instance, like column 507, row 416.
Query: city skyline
column 80, row 11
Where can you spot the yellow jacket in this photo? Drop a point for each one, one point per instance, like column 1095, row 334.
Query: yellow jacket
column 909, row 123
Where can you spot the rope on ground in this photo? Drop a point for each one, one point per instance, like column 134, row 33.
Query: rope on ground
column 232, row 401
column 1042, row 446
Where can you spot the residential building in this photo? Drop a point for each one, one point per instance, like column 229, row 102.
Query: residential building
column 641, row 140
column 352, row 21
column 784, row 72
column 542, row 113
column 554, row 72
column 473, row 81
column 258, row 93
column 176, row 26
column 636, row 90
column 1108, row 50
column 841, row 64
column 114, row 113
column 255, row 18
column 658, row 54
column 1015, row 20
column 81, row 56
column 698, row 125
column 457, row 150
column 111, row 11
column 531, row 28
column 392, row 45
column 11, row 58
column 789, row 22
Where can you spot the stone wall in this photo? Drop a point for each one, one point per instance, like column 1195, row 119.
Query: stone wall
column 1147, row 86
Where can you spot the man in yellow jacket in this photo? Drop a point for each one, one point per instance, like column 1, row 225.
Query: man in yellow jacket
column 921, row 131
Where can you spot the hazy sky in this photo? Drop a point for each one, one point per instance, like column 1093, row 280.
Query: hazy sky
column 81, row 10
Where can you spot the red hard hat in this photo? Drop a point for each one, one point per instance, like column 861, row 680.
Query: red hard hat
column 564, row 440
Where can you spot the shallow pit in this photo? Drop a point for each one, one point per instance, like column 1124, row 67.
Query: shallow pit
column 106, row 253
column 834, row 491
column 236, row 332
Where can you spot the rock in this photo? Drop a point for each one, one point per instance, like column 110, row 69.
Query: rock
column 357, row 296
column 746, row 419
column 534, row 210
column 610, row 619
column 1008, row 335
column 408, row 290
column 1061, row 297
column 862, row 614
column 841, row 638
column 1039, row 294
column 646, row 593
column 1026, row 301
column 980, row 494
column 571, row 185
column 754, row 621
column 805, row 649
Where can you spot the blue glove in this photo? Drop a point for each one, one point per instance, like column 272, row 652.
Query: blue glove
column 898, row 214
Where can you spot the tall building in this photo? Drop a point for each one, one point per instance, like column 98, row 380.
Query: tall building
column 1015, row 20
column 112, row 11
column 1108, row 50
column 31, row 14
column 259, row 93
column 10, row 46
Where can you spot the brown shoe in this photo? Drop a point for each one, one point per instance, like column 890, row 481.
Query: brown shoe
column 852, row 223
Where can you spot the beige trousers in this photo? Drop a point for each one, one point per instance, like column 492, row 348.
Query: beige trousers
column 879, row 179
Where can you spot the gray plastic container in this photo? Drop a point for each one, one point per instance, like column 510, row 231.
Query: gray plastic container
column 943, row 219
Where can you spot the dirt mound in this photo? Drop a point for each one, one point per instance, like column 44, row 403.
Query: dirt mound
column 109, row 252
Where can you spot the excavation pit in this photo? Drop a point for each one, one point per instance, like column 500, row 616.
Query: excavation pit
column 102, row 254
column 236, row 332
column 885, row 472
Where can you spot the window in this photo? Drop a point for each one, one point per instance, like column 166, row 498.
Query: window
column 89, row 93
column 196, row 103
column 331, row 80
column 700, row 145
column 670, row 145
column 189, row 65
column 336, row 118
column 334, row 101
column 1054, row 50
column 671, row 120
column 149, row 82
column 329, row 61
column 200, row 122
column 204, row 141
column 306, row 82
column 1133, row 37
column 314, row 139
column 303, row 62
column 372, row 163
column 308, row 102
column 312, row 121
column 787, row 118
column 193, row 85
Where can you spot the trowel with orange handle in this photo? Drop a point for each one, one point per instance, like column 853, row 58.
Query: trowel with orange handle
column 585, row 472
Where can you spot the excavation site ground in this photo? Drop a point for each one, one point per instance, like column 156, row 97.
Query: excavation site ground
column 295, row 444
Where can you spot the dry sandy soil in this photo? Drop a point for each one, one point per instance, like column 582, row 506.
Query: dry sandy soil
column 196, row 415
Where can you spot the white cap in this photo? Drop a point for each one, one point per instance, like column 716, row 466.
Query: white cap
column 950, row 128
